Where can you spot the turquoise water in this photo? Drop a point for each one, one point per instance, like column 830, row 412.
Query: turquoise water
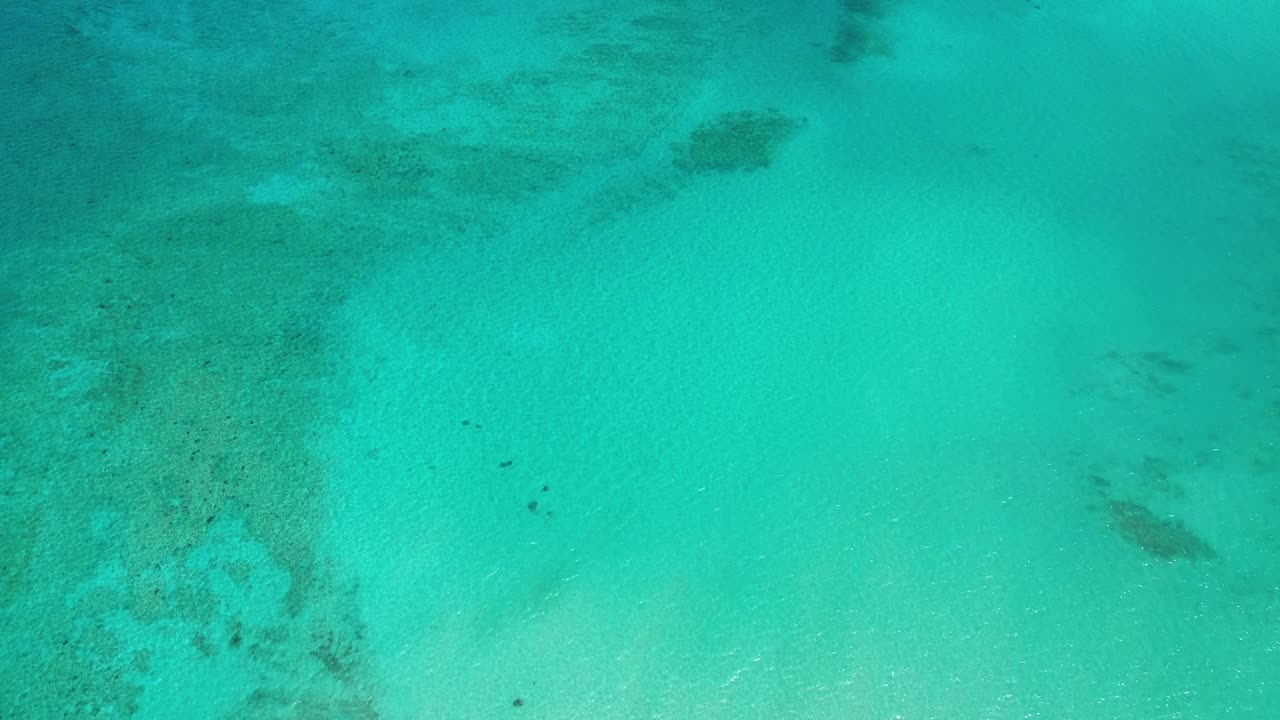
column 609, row 360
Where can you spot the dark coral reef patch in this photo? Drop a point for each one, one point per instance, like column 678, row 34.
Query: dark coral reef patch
column 743, row 140
column 1162, row 538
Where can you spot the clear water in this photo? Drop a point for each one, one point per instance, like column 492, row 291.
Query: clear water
column 615, row 360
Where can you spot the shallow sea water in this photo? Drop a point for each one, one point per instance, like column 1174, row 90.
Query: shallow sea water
column 601, row 360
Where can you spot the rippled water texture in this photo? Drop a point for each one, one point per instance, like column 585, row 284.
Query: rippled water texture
column 625, row 360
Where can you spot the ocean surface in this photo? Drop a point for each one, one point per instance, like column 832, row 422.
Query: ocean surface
column 603, row 360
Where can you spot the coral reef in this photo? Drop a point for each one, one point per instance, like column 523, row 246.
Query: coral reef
column 744, row 140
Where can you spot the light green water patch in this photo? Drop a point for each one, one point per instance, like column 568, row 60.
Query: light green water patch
column 722, row 394
column 782, row 419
